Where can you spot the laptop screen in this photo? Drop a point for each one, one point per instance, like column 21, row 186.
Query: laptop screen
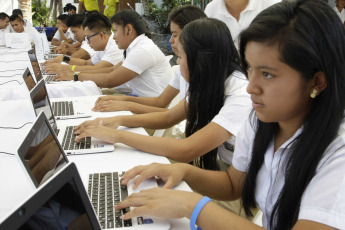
column 40, row 152
column 28, row 79
column 35, row 65
column 40, row 101
column 62, row 203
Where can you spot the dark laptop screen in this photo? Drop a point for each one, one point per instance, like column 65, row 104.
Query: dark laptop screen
column 40, row 101
column 62, row 203
column 40, row 153
column 35, row 65
column 28, row 79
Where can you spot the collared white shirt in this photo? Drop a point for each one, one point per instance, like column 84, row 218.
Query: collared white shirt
column 236, row 109
column 217, row 9
column 146, row 59
column 111, row 53
column 68, row 35
column 323, row 201
column 340, row 14
column 2, row 34
column 85, row 46
column 178, row 82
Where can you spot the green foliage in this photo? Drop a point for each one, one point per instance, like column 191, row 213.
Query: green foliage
column 40, row 17
column 161, row 14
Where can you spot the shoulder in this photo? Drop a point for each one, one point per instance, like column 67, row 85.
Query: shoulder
column 212, row 7
column 236, row 83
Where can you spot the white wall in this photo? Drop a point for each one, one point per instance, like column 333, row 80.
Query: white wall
column 8, row 5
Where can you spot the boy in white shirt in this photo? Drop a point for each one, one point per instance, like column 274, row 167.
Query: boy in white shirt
column 4, row 28
column 63, row 34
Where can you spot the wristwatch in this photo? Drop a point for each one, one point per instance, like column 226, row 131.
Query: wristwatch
column 76, row 76
column 66, row 59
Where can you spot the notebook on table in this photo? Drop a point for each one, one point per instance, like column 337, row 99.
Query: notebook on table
column 41, row 102
column 44, row 160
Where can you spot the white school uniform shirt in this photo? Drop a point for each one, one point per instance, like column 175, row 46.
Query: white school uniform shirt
column 146, row 59
column 323, row 201
column 2, row 35
column 85, row 46
column 68, row 35
column 111, row 53
column 340, row 14
column 179, row 83
column 217, row 9
column 236, row 108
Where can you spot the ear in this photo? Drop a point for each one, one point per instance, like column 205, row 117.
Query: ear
column 128, row 29
column 319, row 82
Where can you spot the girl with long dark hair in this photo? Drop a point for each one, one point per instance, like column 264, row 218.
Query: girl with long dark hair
column 215, row 107
column 290, row 154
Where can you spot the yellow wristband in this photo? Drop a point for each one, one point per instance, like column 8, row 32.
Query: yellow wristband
column 73, row 67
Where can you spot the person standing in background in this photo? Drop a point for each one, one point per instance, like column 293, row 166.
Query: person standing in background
column 4, row 28
column 88, row 5
column 110, row 7
column 237, row 14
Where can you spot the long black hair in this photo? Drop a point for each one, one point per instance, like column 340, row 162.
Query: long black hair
column 310, row 38
column 126, row 16
column 183, row 15
column 211, row 57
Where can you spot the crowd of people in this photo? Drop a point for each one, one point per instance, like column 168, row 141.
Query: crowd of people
column 261, row 85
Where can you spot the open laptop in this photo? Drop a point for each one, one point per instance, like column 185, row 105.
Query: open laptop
column 62, row 203
column 38, row 70
column 70, row 109
column 43, row 158
column 41, row 102
column 28, row 79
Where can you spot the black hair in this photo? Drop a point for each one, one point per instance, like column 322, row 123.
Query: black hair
column 182, row 15
column 14, row 17
column 3, row 16
column 97, row 23
column 73, row 8
column 75, row 20
column 63, row 18
column 126, row 16
column 310, row 39
column 17, row 12
column 68, row 7
column 212, row 58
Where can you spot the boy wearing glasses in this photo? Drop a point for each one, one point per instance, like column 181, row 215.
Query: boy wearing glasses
column 99, row 36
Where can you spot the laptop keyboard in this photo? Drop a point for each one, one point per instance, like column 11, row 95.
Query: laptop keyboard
column 68, row 142
column 49, row 78
column 105, row 190
column 63, row 108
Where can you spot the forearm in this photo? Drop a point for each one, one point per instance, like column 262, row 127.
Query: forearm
column 77, row 61
column 102, row 70
column 141, row 109
column 158, row 120
column 214, row 184
column 175, row 149
column 55, row 42
column 215, row 217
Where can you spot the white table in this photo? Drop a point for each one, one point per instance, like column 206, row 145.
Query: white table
column 15, row 185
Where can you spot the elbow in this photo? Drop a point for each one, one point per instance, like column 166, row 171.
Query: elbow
column 184, row 154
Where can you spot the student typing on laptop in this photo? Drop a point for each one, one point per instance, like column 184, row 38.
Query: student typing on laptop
column 98, row 33
column 144, row 65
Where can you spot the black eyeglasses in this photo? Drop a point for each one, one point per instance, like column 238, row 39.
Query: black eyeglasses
column 88, row 37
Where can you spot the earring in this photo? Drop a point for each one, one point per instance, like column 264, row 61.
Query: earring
column 313, row 94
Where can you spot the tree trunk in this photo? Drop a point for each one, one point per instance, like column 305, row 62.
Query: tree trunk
column 25, row 6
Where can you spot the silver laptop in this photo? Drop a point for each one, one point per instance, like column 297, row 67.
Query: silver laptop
column 39, row 70
column 43, row 158
column 41, row 102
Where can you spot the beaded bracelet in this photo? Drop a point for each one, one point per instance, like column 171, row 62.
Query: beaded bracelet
column 196, row 212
